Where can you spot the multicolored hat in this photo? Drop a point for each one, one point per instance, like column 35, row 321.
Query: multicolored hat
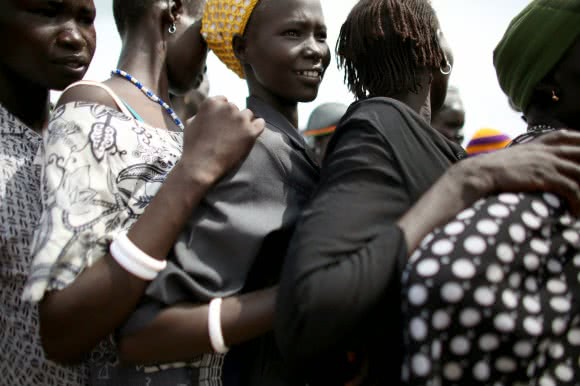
column 222, row 20
column 324, row 118
column 486, row 141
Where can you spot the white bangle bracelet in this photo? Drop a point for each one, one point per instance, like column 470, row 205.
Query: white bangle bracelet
column 214, row 324
column 133, row 260
column 136, row 253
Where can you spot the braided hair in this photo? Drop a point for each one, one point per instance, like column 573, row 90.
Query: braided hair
column 384, row 46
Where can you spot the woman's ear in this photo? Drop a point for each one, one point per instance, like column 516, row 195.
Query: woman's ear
column 239, row 47
column 174, row 11
column 546, row 89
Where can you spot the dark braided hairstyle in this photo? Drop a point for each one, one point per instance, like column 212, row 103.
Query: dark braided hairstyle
column 385, row 46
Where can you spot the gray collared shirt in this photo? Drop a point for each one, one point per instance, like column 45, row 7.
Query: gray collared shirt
column 241, row 228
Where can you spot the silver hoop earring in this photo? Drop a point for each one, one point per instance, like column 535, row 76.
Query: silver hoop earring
column 172, row 29
column 447, row 69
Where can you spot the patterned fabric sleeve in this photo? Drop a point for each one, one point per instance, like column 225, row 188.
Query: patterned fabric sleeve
column 100, row 170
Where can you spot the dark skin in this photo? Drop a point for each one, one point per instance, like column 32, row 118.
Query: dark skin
column 550, row 163
column 450, row 118
column 104, row 295
column 565, row 82
column 60, row 42
column 180, row 332
column 283, row 41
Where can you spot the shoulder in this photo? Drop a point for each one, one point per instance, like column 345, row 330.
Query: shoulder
column 91, row 92
column 378, row 112
column 388, row 118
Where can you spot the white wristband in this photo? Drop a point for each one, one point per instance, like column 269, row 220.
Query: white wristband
column 214, row 323
column 134, row 260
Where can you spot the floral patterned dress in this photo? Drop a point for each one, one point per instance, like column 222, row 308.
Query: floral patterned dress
column 101, row 168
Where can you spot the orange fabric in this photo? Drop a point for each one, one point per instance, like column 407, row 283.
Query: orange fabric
column 317, row 132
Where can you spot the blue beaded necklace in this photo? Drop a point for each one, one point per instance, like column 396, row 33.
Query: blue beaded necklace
column 151, row 95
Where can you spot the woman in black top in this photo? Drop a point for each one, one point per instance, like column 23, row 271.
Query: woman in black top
column 387, row 180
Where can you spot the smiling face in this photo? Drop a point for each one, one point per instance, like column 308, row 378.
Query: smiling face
column 47, row 43
column 285, row 52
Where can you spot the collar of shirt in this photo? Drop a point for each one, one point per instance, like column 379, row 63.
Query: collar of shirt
column 275, row 120
column 11, row 125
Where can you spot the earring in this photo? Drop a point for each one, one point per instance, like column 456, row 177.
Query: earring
column 172, row 29
column 555, row 97
column 446, row 70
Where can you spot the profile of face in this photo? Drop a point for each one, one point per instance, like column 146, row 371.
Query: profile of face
column 450, row 118
column 566, row 76
column 284, row 50
column 47, row 43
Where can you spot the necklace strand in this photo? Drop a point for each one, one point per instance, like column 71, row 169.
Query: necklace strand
column 151, row 95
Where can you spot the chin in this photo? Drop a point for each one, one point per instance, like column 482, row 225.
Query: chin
column 305, row 98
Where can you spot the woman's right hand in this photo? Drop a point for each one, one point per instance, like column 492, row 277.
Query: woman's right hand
column 218, row 138
column 550, row 163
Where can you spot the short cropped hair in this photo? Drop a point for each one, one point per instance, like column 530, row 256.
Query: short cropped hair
column 128, row 12
column 384, row 45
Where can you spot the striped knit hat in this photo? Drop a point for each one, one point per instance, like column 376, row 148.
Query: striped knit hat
column 324, row 118
column 486, row 141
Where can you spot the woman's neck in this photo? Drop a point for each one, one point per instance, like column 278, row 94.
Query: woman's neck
column 288, row 109
column 28, row 102
column 146, row 61
column 419, row 101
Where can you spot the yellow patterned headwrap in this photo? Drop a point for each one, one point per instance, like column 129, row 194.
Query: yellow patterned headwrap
column 222, row 20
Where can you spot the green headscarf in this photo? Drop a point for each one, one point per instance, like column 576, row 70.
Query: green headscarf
column 533, row 44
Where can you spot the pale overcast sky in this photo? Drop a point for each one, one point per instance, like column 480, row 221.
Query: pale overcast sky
column 472, row 27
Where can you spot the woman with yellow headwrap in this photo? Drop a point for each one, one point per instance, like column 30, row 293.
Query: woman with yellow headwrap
column 234, row 243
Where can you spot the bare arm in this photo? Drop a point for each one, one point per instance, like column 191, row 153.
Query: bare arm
column 180, row 333
column 75, row 319
column 342, row 264
column 549, row 164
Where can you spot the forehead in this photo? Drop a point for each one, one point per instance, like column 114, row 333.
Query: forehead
column 271, row 12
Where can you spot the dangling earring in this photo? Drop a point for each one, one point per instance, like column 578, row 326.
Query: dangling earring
column 447, row 68
column 172, row 29
column 555, row 97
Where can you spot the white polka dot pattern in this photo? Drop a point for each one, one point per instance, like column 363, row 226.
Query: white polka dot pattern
column 493, row 298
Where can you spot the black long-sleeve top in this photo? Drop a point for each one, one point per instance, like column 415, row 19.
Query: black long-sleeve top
column 340, row 283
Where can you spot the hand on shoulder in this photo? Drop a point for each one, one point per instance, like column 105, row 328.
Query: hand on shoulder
column 218, row 139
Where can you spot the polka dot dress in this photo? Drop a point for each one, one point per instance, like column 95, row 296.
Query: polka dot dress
column 493, row 297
